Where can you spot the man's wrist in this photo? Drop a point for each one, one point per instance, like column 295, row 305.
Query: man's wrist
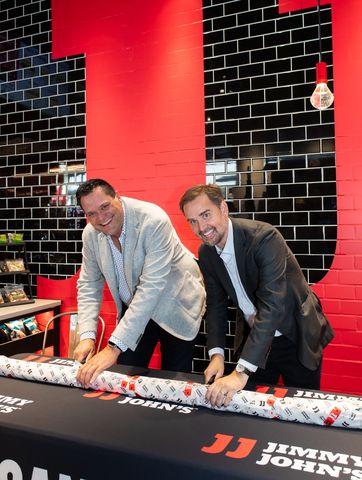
column 216, row 350
column 113, row 346
column 240, row 369
column 116, row 341
column 88, row 335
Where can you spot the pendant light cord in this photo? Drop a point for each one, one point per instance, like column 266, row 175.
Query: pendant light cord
column 319, row 31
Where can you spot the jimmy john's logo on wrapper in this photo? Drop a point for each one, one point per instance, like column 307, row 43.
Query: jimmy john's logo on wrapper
column 11, row 404
column 39, row 372
column 342, row 412
column 62, row 361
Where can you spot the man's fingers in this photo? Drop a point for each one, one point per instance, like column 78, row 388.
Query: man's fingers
column 220, row 399
column 85, row 373
column 209, row 373
column 209, row 392
column 220, row 394
column 95, row 374
column 92, row 374
column 89, row 356
column 80, row 376
column 215, row 397
column 223, row 398
column 228, row 398
column 211, row 380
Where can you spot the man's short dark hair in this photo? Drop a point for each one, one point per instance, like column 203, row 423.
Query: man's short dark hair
column 212, row 191
column 90, row 185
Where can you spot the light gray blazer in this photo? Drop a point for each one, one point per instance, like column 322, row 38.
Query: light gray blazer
column 161, row 273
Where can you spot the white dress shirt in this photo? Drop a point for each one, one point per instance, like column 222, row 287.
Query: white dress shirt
column 124, row 293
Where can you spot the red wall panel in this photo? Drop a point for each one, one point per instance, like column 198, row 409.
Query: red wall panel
column 144, row 104
column 145, row 93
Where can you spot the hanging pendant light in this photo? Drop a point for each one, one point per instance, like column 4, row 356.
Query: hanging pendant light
column 322, row 97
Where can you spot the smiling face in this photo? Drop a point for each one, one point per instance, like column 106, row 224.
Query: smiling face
column 104, row 212
column 208, row 221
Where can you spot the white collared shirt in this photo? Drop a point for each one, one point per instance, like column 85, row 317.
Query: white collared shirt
column 123, row 290
column 227, row 254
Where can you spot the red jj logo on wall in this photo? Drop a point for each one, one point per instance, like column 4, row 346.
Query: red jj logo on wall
column 307, row 460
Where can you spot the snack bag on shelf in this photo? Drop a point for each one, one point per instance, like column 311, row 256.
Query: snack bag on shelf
column 15, row 293
column 16, row 329
column 15, row 237
column 4, row 334
column 31, row 325
column 15, row 265
column 3, row 266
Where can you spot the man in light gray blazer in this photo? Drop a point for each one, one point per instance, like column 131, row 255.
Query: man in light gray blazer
column 281, row 328
column 154, row 280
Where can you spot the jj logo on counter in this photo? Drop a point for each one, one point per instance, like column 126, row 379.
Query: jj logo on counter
column 296, row 458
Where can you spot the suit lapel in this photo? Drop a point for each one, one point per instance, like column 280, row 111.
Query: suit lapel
column 223, row 275
column 132, row 233
column 240, row 251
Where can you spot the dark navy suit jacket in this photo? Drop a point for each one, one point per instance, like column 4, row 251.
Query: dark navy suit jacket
column 276, row 286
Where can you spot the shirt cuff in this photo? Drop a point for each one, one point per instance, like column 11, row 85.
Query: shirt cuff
column 248, row 365
column 89, row 334
column 215, row 350
column 119, row 344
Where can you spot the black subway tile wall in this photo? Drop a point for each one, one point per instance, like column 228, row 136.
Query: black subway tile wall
column 268, row 149
column 284, row 170
column 42, row 141
column 261, row 106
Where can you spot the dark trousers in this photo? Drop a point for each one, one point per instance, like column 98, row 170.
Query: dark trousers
column 283, row 360
column 176, row 354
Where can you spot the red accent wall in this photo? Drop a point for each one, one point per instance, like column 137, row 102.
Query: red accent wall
column 144, row 106
column 341, row 289
column 144, row 94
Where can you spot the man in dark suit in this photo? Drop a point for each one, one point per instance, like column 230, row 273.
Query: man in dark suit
column 281, row 328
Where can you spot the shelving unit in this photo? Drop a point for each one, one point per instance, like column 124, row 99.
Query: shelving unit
column 20, row 249
column 31, row 343
column 26, row 308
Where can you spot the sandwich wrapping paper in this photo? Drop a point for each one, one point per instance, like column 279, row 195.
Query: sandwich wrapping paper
column 343, row 413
